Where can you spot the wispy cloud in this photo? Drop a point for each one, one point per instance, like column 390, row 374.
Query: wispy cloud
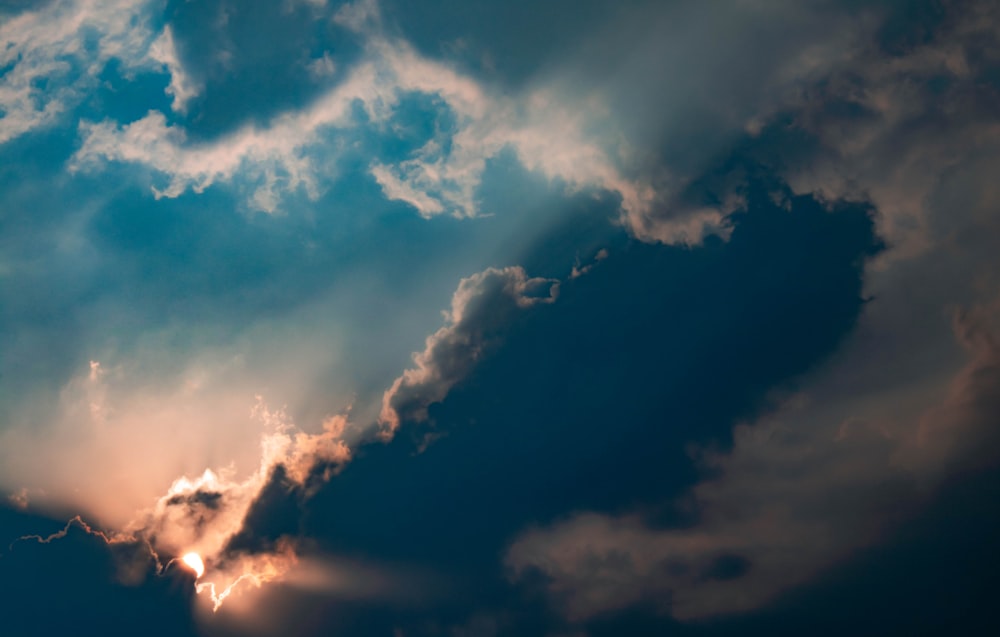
column 182, row 87
column 442, row 176
column 52, row 57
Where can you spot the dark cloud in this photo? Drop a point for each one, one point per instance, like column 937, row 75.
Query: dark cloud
column 81, row 584
column 782, row 507
column 273, row 515
column 591, row 401
column 207, row 499
column 773, row 421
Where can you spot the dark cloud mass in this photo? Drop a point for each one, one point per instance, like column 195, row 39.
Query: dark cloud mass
column 79, row 583
column 486, row 319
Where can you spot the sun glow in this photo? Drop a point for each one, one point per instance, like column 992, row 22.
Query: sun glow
column 193, row 561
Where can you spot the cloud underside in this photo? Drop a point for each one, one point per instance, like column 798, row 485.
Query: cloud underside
column 798, row 493
column 874, row 439
column 871, row 437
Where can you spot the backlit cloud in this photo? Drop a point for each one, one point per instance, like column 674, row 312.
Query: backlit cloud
column 482, row 307
column 209, row 514
column 699, row 354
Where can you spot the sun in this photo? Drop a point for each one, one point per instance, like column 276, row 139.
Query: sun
column 193, row 562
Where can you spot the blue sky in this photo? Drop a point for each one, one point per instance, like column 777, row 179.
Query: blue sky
column 481, row 319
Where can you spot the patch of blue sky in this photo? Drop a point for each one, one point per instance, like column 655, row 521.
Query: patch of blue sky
column 419, row 118
column 210, row 271
column 126, row 95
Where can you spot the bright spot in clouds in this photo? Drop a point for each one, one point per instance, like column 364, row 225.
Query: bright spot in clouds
column 193, row 561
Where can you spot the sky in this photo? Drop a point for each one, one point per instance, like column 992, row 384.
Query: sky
column 484, row 319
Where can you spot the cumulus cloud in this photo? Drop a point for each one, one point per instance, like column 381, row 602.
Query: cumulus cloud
column 798, row 492
column 201, row 514
column 481, row 308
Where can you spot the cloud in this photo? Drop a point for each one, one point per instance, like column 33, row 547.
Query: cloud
column 898, row 123
column 679, row 90
column 322, row 67
column 401, row 190
column 212, row 514
column 182, row 87
column 546, row 134
column 799, row 492
column 52, row 61
column 221, row 514
column 20, row 498
column 913, row 131
column 361, row 15
column 272, row 157
column 550, row 129
column 209, row 514
column 579, row 270
column 203, row 513
column 81, row 580
column 482, row 308
column 909, row 125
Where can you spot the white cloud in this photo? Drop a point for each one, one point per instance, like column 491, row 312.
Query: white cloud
column 276, row 154
column 52, row 62
column 396, row 188
column 182, row 87
column 443, row 176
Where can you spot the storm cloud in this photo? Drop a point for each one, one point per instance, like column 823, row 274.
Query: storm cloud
column 547, row 318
